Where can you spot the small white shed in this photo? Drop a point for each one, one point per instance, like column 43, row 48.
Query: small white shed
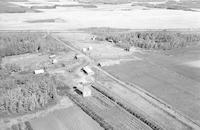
column 52, row 56
column 84, row 49
column 54, row 61
column 38, row 71
column 89, row 48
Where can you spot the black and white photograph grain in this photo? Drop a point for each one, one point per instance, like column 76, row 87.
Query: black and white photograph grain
column 99, row 64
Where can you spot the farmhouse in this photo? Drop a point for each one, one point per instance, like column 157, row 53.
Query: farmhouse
column 87, row 70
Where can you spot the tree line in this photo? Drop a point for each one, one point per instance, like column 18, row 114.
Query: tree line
column 164, row 40
column 21, row 43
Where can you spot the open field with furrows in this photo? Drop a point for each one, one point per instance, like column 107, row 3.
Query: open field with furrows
column 135, row 103
column 108, row 114
column 170, row 78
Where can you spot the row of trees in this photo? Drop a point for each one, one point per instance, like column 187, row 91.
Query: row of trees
column 26, row 93
column 152, row 39
column 20, row 43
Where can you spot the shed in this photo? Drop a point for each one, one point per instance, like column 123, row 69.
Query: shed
column 38, row 71
column 108, row 63
column 52, row 56
column 84, row 49
column 85, row 91
column 88, row 70
column 54, row 61
column 89, row 48
column 78, row 56
column 93, row 38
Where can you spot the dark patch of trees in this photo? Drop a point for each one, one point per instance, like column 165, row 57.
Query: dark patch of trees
column 163, row 40
column 21, row 43
column 28, row 92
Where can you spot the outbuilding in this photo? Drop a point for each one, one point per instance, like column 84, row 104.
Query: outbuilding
column 38, row 71
column 108, row 63
column 54, row 61
column 87, row 70
column 89, row 48
column 52, row 56
column 85, row 91
column 78, row 56
column 84, row 49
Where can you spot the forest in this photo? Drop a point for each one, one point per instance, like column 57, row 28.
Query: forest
column 26, row 92
column 21, row 43
column 162, row 40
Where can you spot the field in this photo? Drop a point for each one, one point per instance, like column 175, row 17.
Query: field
column 69, row 118
column 7, row 7
column 115, row 16
column 168, row 78
column 172, row 5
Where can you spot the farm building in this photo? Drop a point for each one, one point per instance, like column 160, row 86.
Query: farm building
column 87, row 70
column 85, row 90
column 84, row 49
column 108, row 63
column 54, row 61
column 78, row 56
column 93, row 38
column 38, row 71
column 52, row 56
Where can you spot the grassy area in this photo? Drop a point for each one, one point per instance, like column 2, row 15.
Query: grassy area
column 163, row 40
column 12, row 8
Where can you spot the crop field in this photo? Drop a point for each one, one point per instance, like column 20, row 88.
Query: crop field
column 69, row 118
column 171, row 81
column 12, row 8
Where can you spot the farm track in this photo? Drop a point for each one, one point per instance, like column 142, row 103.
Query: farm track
column 156, row 102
